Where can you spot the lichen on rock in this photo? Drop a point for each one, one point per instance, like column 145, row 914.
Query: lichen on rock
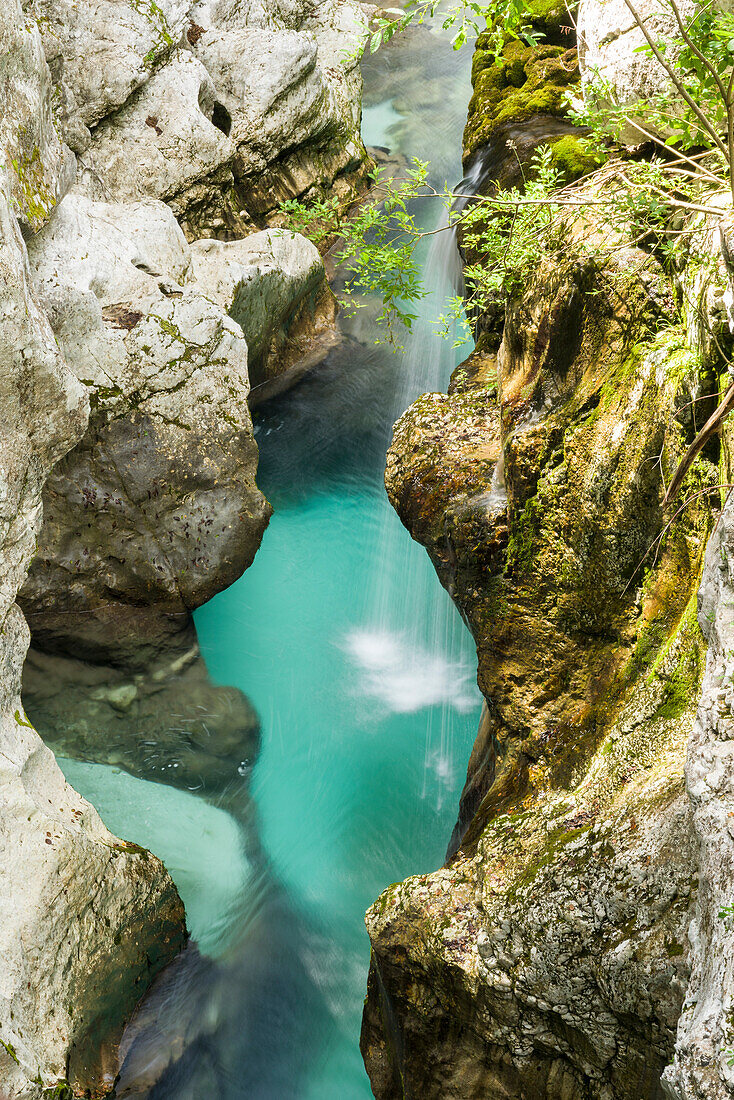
column 551, row 955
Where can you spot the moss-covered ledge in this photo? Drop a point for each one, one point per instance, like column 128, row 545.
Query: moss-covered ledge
column 528, row 82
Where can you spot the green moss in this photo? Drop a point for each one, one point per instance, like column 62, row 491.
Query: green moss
column 37, row 198
column 545, row 856
column 573, row 158
column 155, row 16
column 524, row 81
column 62, row 1090
column 524, row 529
column 10, row 1049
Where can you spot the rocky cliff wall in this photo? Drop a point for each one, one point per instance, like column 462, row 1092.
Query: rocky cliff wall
column 96, row 918
column 572, row 947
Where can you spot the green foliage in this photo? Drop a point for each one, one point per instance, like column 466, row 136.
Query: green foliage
column 376, row 244
column 512, row 233
column 499, row 21
column 508, row 234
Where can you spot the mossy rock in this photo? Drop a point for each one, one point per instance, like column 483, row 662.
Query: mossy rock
column 573, row 158
column 525, row 81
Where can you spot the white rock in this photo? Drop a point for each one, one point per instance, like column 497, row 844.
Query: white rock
column 101, row 51
column 162, row 144
column 168, row 463
column 264, row 282
column 39, row 168
column 84, row 924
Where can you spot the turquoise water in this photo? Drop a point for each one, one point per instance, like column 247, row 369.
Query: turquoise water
column 340, row 634
column 200, row 844
column 364, row 678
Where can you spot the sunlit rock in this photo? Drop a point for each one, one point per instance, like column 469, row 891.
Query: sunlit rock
column 156, row 510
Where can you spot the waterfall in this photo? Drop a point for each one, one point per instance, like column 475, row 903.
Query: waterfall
column 411, row 650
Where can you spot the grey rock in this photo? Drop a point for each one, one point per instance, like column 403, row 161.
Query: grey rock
column 274, row 285
column 705, row 1031
column 266, row 108
column 156, row 509
column 101, row 52
column 40, row 169
column 85, row 921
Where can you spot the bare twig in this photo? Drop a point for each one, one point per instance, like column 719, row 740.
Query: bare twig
column 710, row 428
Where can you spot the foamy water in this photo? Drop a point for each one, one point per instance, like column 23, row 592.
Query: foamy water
column 407, row 677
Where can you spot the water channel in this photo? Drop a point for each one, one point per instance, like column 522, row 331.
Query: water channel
column 362, row 674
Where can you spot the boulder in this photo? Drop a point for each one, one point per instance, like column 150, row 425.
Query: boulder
column 253, row 107
column 163, row 144
column 156, row 509
column 167, row 722
column 273, row 284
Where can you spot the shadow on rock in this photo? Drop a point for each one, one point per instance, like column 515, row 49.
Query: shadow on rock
column 169, row 723
column 238, row 1027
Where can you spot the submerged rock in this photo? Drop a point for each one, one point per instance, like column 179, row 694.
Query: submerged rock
column 166, row 722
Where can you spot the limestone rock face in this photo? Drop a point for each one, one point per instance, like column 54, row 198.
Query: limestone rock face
column 247, row 107
column 550, row 957
column 163, row 144
column 100, row 53
column 273, row 284
column 39, row 167
column 89, row 916
column 86, row 920
column 156, row 509
column 702, row 1053
column 611, row 44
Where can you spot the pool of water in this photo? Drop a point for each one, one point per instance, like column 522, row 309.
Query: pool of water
column 363, row 675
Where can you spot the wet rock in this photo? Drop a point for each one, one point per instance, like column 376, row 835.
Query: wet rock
column 156, row 509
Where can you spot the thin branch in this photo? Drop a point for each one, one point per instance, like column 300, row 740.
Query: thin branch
column 712, row 425
column 695, row 50
column 677, row 83
column 659, row 538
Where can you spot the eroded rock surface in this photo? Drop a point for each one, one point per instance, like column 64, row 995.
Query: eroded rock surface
column 221, row 111
column 86, row 921
column 273, row 285
column 156, row 509
column 550, row 957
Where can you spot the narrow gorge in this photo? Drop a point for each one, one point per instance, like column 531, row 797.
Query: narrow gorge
column 255, row 549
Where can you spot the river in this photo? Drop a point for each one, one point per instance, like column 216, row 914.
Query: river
column 364, row 679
